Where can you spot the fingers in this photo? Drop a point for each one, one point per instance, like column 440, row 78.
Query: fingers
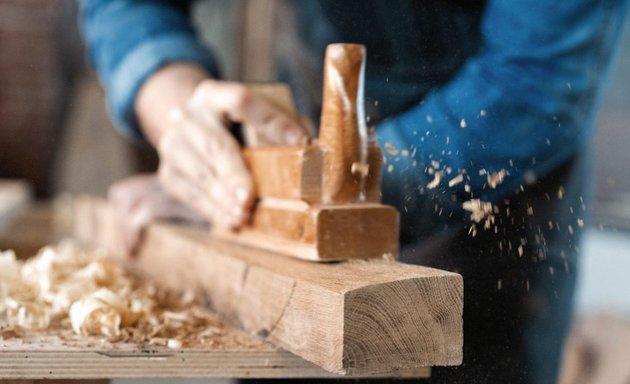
column 201, row 162
column 138, row 201
column 180, row 187
column 210, row 202
column 235, row 102
column 203, row 167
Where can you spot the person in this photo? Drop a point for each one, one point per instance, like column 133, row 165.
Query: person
column 482, row 106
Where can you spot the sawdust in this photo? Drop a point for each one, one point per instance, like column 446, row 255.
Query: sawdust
column 66, row 287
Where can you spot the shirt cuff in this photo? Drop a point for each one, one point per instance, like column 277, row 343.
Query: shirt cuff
column 139, row 64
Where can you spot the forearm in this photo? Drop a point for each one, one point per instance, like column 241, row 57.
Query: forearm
column 524, row 104
column 128, row 41
column 165, row 90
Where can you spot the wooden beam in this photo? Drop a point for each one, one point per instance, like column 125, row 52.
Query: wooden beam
column 355, row 317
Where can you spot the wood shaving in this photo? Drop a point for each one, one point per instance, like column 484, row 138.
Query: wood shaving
column 480, row 210
column 436, row 180
column 174, row 343
column 496, row 178
column 456, row 180
column 391, row 149
column 67, row 287
column 560, row 193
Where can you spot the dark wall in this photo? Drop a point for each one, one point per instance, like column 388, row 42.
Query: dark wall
column 39, row 54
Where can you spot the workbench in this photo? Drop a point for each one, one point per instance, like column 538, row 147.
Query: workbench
column 45, row 356
column 65, row 356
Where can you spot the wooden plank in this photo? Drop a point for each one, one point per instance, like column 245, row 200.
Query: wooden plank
column 355, row 317
column 159, row 363
column 321, row 232
column 47, row 356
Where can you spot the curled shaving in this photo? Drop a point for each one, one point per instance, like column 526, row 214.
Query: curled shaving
column 68, row 287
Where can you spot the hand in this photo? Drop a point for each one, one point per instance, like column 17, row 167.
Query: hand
column 200, row 161
column 138, row 200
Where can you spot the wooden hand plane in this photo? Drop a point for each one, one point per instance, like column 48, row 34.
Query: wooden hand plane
column 321, row 201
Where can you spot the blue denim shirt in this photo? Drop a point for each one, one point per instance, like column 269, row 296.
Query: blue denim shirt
column 464, row 85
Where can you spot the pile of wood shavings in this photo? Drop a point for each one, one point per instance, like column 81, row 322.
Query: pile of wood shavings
column 67, row 287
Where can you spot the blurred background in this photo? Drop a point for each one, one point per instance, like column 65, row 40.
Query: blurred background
column 55, row 136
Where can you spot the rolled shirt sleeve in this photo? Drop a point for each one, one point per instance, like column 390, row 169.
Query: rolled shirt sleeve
column 128, row 40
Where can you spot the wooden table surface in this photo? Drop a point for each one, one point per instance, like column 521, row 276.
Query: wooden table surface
column 64, row 356
column 48, row 356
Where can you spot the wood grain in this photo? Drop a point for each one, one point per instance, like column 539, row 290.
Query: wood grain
column 321, row 232
column 286, row 172
column 347, row 317
column 354, row 317
column 296, row 172
column 372, row 187
column 339, row 134
column 56, row 355
column 46, row 356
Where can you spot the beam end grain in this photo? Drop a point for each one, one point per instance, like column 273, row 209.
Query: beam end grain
column 412, row 322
